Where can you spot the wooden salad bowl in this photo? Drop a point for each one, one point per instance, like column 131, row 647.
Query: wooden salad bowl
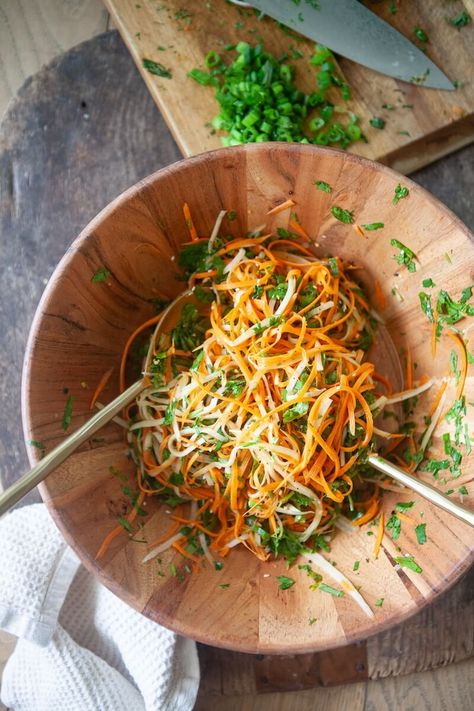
column 80, row 329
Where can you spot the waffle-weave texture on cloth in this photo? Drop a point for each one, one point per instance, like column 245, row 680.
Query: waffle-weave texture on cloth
column 80, row 648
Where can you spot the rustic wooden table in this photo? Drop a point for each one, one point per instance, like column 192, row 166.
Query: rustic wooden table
column 38, row 220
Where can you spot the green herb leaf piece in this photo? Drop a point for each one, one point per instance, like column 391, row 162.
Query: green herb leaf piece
column 37, row 445
column 405, row 256
column 404, row 505
column 333, row 266
column 379, row 602
column 67, row 414
column 321, row 185
column 297, row 410
column 329, row 589
column 169, row 412
column 156, row 68
column 126, row 524
column 400, row 193
column 342, row 215
column 284, row 582
column 101, row 274
column 409, row 562
column 420, row 34
column 395, row 526
column 420, row 531
column 373, row 226
column 460, row 20
column 377, row 122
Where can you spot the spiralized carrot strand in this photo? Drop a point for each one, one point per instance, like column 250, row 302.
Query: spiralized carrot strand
column 190, row 223
column 123, row 361
column 380, row 532
column 108, row 540
column 283, row 206
column 380, row 300
column 297, row 229
column 437, row 399
column 100, row 387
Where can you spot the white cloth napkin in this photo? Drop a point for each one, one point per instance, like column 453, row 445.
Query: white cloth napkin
column 80, row 648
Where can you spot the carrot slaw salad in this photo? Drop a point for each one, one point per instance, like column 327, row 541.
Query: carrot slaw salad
column 263, row 405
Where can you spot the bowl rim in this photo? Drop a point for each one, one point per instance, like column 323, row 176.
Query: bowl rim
column 27, row 421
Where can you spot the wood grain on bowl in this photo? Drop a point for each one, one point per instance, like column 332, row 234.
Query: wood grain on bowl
column 81, row 327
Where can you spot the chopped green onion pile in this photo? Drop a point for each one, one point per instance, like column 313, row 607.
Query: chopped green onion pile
column 259, row 100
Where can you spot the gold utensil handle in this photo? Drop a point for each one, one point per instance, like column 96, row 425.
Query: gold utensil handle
column 423, row 489
column 41, row 470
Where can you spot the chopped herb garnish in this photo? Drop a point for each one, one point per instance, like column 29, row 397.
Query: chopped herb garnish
column 400, row 193
column 38, row 445
column 405, row 256
column 101, row 274
column 312, row 620
column 420, row 34
column 321, row 185
column 404, row 505
column 426, row 307
column 420, row 531
column 67, row 415
column 333, row 266
column 355, row 567
column 224, row 586
column 156, row 68
column 460, row 20
column 231, row 215
column 377, row 122
column 218, row 565
column 297, row 410
column 409, row 562
column 329, row 589
column 169, row 412
column 126, row 524
column 428, row 283
column 205, row 296
column 463, row 491
column 285, row 582
column 342, row 215
column 373, row 226
column 173, row 570
column 394, row 525
column 379, row 602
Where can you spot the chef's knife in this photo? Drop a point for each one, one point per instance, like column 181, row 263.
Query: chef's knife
column 350, row 29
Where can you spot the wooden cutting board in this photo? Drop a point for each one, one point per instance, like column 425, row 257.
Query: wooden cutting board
column 179, row 34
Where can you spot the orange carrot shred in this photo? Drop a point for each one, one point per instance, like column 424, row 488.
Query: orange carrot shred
column 100, row 387
column 380, row 532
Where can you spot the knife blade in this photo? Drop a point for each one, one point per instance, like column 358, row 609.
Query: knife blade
column 350, row 29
